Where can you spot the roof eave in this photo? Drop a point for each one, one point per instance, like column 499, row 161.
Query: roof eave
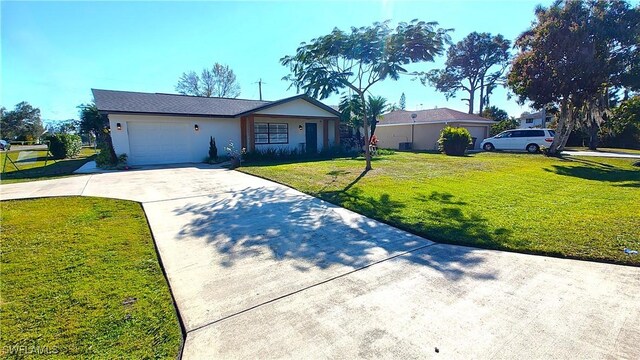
column 292, row 98
column 107, row 112
column 481, row 122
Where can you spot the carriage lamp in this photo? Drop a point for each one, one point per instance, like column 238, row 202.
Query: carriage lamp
column 196, row 127
column 119, row 126
column 300, row 127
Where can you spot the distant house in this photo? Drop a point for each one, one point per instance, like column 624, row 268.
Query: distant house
column 156, row 128
column 420, row 130
column 535, row 120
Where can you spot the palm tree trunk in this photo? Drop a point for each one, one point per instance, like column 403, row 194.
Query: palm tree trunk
column 374, row 123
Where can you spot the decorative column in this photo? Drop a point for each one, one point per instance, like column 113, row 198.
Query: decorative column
column 252, row 136
column 325, row 134
column 243, row 132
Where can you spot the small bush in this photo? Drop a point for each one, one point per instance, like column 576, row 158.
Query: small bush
column 286, row 154
column 64, row 145
column 454, row 140
column 104, row 159
column 122, row 162
column 213, row 150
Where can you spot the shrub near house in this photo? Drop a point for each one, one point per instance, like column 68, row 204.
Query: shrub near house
column 454, row 140
column 64, row 146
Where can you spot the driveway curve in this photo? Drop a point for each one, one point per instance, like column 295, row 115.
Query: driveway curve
column 261, row 270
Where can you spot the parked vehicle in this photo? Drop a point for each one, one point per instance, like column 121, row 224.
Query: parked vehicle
column 530, row 140
column 4, row 145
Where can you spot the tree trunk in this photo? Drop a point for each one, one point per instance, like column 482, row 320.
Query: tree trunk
column 593, row 135
column 471, row 93
column 367, row 154
column 109, row 143
column 481, row 95
column 374, row 123
column 565, row 125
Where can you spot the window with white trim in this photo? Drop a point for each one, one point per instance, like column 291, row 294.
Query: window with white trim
column 271, row 133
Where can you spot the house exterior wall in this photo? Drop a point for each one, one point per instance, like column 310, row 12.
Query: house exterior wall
column 194, row 143
column 166, row 139
column 535, row 123
column 389, row 137
column 296, row 136
column 480, row 132
column 425, row 136
column 298, row 107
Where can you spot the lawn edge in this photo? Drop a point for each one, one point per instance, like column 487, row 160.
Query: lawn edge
column 403, row 228
column 183, row 331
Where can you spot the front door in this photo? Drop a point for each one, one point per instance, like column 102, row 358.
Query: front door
column 311, row 134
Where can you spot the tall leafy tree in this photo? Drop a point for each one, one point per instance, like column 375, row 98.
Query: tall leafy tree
column 22, row 122
column 494, row 113
column 403, row 102
column 573, row 56
column 219, row 81
column 69, row 126
column 622, row 128
column 93, row 122
column 475, row 64
column 504, row 124
column 360, row 58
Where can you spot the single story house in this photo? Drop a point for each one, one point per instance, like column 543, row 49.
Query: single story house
column 539, row 119
column 420, row 130
column 154, row 128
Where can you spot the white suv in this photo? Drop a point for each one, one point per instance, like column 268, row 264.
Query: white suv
column 520, row 139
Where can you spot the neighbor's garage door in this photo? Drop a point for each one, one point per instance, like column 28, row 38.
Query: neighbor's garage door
column 158, row 143
column 478, row 132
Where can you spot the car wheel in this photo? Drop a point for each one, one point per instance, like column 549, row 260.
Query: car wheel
column 533, row 148
column 488, row 147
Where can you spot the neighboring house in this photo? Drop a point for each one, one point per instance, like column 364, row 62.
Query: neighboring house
column 165, row 128
column 535, row 120
column 420, row 130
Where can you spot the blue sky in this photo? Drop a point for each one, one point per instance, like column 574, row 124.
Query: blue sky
column 53, row 53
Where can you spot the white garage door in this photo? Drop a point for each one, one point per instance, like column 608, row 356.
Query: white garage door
column 478, row 132
column 158, row 143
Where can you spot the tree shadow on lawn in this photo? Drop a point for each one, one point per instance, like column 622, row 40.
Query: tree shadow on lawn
column 596, row 171
column 53, row 168
column 289, row 226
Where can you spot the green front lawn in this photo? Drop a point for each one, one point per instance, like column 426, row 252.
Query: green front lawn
column 32, row 165
column 81, row 279
column 586, row 208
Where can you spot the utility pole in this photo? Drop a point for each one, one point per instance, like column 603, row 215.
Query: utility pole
column 260, row 87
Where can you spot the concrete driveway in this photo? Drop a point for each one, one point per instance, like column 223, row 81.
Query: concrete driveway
column 260, row 270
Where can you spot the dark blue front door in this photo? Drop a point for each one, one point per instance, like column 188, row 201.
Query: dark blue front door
column 311, row 132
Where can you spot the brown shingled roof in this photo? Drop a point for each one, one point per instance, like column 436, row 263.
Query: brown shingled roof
column 430, row 116
column 112, row 101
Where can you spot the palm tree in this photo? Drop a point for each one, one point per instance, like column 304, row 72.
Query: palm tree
column 351, row 109
column 376, row 107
